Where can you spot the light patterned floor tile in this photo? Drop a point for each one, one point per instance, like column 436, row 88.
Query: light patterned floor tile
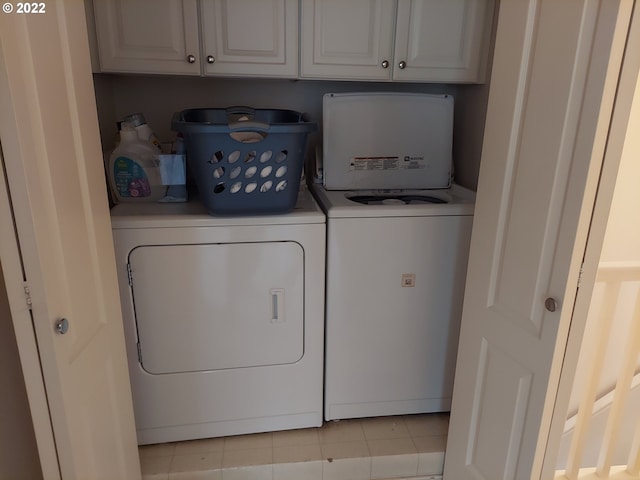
column 358, row 449
column 246, row 458
column 295, row 454
column 155, row 465
column 430, row 444
column 391, row 446
column 431, row 463
column 246, row 442
column 199, row 446
column 255, row 472
column 394, row 466
column 333, row 451
column 155, row 476
column 208, row 475
column 347, row 469
column 196, row 462
column 342, row 431
column 384, row 427
column 298, row 471
column 427, row 425
column 306, row 436
column 157, row 450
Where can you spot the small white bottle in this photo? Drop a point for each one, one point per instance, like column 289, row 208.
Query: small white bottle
column 143, row 129
column 134, row 173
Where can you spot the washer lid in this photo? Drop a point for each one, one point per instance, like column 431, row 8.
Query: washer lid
column 387, row 140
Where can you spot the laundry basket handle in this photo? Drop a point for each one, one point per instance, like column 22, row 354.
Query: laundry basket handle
column 243, row 119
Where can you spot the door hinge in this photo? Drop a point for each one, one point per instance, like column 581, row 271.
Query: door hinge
column 27, row 295
column 139, row 353
column 129, row 275
column 580, row 273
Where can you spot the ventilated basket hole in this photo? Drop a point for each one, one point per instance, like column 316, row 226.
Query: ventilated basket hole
column 282, row 184
column 266, row 156
column 234, row 156
column 281, row 171
column 250, row 187
column 266, row 171
column 250, row 172
column 266, row 186
column 219, row 188
column 217, row 157
column 235, row 188
column 248, row 137
column 235, row 172
column 250, row 156
column 218, row 172
column 282, row 155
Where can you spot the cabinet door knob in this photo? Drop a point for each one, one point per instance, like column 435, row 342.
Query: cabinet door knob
column 210, row 59
column 62, row 326
column 385, row 64
column 402, row 65
column 191, row 58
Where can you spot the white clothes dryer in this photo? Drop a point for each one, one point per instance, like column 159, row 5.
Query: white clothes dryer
column 223, row 318
column 398, row 235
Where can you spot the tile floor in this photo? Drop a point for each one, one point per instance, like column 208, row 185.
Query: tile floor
column 410, row 446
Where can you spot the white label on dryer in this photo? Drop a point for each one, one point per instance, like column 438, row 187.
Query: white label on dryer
column 373, row 163
column 410, row 162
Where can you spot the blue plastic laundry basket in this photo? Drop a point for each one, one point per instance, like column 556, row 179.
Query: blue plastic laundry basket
column 245, row 161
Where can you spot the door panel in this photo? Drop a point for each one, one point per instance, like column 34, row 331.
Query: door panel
column 211, row 307
column 250, row 37
column 148, row 36
column 54, row 167
column 347, row 39
column 443, row 40
column 554, row 76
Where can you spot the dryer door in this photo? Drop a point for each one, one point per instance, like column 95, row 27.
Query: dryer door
column 218, row 306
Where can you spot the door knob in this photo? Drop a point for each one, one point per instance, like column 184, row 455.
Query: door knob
column 402, row 65
column 62, row 326
column 551, row 304
column 385, row 64
column 210, row 59
column 191, row 58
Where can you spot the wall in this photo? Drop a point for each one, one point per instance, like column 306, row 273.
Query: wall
column 18, row 451
column 158, row 97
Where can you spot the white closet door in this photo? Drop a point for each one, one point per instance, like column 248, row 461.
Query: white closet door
column 218, row 306
column 55, row 173
column 553, row 83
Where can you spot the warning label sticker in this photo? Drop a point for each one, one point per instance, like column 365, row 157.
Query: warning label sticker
column 413, row 163
column 374, row 163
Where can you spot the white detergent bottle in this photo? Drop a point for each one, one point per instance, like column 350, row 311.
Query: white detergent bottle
column 134, row 171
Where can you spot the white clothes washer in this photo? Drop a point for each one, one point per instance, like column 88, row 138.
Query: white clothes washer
column 224, row 318
column 398, row 236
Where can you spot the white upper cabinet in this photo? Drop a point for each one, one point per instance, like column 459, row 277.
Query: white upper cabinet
column 250, row 37
column 347, row 40
column 148, row 36
column 222, row 37
column 403, row 40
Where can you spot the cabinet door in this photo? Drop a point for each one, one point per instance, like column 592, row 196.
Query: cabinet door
column 250, row 37
column 148, row 36
column 347, row 40
column 442, row 40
